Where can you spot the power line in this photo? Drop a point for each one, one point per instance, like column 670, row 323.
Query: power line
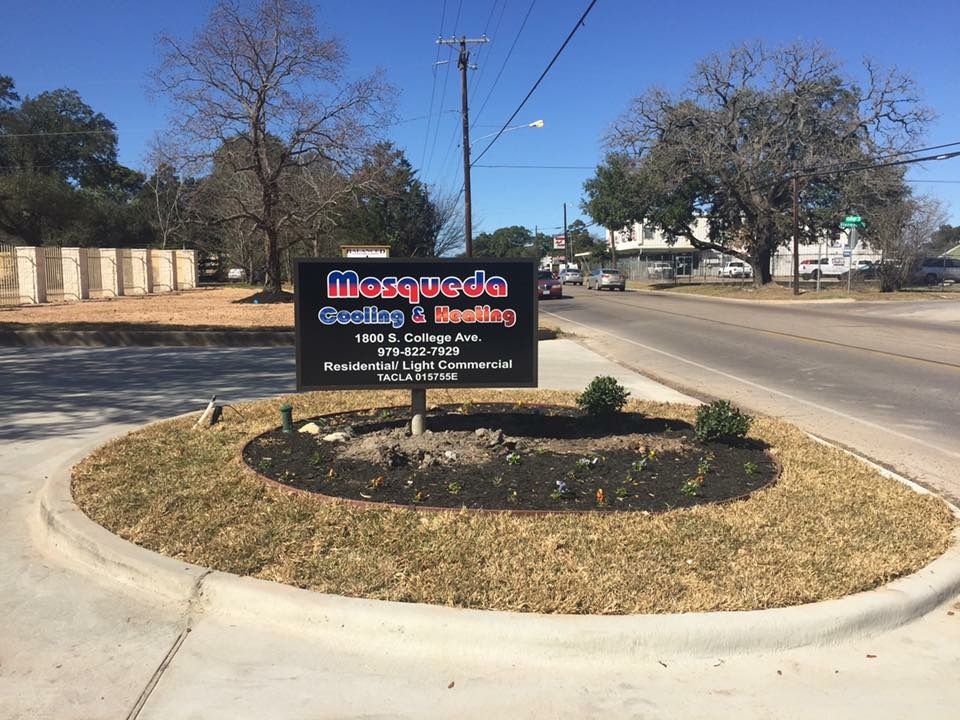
column 433, row 87
column 475, row 81
column 506, row 59
column 539, row 167
column 542, row 76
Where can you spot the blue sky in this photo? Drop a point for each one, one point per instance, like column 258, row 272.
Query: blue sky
column 105, row 50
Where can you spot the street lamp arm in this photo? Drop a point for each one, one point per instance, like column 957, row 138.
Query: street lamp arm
column 534, row 124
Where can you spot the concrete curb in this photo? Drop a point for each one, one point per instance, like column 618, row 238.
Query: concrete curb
column 409, row 631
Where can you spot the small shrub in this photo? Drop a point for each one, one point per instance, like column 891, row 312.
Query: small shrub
column 603, row 397
column 721, row 421
column 692, row 486
column 454, row 488
column 513, row 459
column 750, row 467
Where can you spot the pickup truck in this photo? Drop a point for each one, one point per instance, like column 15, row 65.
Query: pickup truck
column 735, row 269
column 836, row 266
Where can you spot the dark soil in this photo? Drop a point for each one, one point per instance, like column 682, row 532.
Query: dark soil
column 512, row 457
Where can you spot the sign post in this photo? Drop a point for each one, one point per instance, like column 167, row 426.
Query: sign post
column 852, row 223
column 417, row 324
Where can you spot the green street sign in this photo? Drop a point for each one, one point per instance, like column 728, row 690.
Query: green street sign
column 853, row 219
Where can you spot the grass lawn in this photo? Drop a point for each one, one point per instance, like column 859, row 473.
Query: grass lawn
column 829, row 527
column 808, row 292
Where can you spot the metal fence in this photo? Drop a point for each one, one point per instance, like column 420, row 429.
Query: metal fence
column 53, row 264
column 9, row 285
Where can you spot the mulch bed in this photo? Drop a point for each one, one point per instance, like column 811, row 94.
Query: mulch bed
column 511, row 457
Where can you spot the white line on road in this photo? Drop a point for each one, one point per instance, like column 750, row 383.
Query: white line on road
column 758, row 386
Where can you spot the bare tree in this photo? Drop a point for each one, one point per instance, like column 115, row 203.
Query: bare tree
column 901, row 232
column 266, row 83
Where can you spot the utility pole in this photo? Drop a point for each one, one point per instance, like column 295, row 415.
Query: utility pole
column 463, row 63
column 796, row 233
column 567, row 240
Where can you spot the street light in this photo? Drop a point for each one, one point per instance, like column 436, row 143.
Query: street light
column 534, row 124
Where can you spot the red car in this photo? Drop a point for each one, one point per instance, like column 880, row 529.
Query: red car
column 548, row 286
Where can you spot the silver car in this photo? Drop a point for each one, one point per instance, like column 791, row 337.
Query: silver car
column 608, row 278
column 936, row 270
column 571, row 276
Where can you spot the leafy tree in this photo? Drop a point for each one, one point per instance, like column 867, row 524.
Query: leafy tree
column 944, row 238
column 728, row 149
column 266, row 81
column 513, row 241
column 59, row 177
column 393, row 208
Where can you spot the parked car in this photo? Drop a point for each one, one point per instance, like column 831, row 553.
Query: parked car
column 866, row 269
column 660, row 270
column 735, row 269
column 936, row 270
column 572, row 276
column 606, row 278
column 548, row 286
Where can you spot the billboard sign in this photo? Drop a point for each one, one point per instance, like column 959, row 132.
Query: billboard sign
column 403, row 323
column 559, row 242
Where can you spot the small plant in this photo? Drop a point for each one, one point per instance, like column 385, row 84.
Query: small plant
column 513, row 458
column 316, row 459
column 563, row 492
column 721, row 421
column 639, row 465
column 466, row 408
column 454, row 488
column 603, row 397
column 692, row 486
column 265, row 464
column 703, row 466
column 497, row 480
column 583, row 464
column 419, row 496
column 622, row 492
column 385, row 413
column 750, row 467
column 512, row 496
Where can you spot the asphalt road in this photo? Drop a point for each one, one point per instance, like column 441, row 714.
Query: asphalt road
column 880, row 378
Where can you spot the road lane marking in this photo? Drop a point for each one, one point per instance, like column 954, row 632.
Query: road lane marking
column 764, row 388
column 833, row 343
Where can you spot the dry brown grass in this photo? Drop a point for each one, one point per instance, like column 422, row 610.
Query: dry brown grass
column 830, row 527
column 829, row 291
column 210, row 307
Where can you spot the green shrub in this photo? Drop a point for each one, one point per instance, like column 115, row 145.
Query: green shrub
column 721, row 421
column 604, row 396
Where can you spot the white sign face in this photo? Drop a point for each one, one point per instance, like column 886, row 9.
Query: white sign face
column 559, row 242
column 368, row 253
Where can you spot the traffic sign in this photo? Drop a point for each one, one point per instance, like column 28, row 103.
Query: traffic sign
column 853, row 219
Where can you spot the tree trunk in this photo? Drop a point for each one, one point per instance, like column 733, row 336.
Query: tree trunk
column 271, row 283
column 761, row 270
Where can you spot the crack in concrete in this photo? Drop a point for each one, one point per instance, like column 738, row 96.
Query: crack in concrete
column 191, row 610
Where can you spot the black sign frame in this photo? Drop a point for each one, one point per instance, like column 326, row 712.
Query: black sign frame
column 516, row 344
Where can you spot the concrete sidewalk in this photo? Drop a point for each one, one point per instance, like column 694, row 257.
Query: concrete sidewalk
column 75, row 643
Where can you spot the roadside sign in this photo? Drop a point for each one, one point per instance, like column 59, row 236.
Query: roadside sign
column 405, row 323
column 846, row 252
column 853, row 219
